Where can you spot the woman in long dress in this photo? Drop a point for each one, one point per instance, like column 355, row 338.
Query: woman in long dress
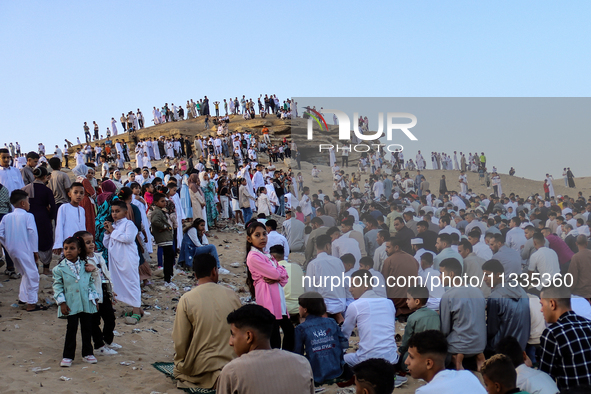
column 197, row 196
column 43, row 208
column 208, row 187
column 81, row 171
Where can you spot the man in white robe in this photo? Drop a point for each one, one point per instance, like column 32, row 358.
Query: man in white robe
column 257, row 179
column 114, row 126
column 549, row 180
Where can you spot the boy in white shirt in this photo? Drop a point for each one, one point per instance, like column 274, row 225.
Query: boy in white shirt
column 70, row 217
column 18, row 235
column 427, row 351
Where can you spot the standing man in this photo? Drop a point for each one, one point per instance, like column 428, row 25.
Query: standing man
column 59, row 183
column 566, row 354
column 27, row 171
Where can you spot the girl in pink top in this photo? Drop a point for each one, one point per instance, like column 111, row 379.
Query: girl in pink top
column 265, row 279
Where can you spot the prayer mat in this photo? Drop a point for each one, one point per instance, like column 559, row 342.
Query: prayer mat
column 167, row 368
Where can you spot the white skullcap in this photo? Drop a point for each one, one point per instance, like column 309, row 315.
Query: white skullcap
column 416, row 241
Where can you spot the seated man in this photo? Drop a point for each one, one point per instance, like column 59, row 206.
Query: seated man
column 200, row 333
column 374, row 376
column 258, row 368
column 507, row 308
column 499, row 375
column 427, row 351
column 374, row 318
column 463, row 317
column 528, row 379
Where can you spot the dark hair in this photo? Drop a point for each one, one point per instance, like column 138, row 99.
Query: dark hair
column 80, row 243
column 17, row 196
column 75, row 184
column 317, row 220
column 365, row 275
column 419, row 292
column 322, row 241
column 384, row 234
column 158, row 196
column 493, row 266
column 4, row 150
column 204, row 265
column 272, row 223
column 445, row 219
column 365, row 261
column 313, row 302
column 32, row 155
column 332, row 230
column 444, row 237
column 134, row 185
column 452, row 265
column 120, row 204
column 376, row 372
column 277, row 249
column 250, row 228
column 539, row 237
column 348, row 258
column 466, row 245
column 561, row 294
column 124, row 193
column 82, row 233
column 475, row 233
column 55, row 163
column 429, row 342
column 253, row 316
column 195, row 224
column 510, row 347
column 500, row 369
column 427, row 257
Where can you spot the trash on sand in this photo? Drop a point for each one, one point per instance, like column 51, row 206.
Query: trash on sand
column 39, row 369
column 127, row 362
column 64, row 378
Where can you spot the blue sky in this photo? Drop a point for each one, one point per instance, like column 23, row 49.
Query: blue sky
column 66, row 62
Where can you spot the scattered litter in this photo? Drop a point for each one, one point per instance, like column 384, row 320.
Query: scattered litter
column 136, row 330
column 156, row 307
column 235, row 265
column 117, row 334
column 15, row 305
column 16, row 326
column 64, row 378
column 49, row 301
column 40, row 352
column 155, row 392
column 226, row 246
column 1, row 285
column 127, row 362
column 147, row 313
column 187, row 288
column 39, row 369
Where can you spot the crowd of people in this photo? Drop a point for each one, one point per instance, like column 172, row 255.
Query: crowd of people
column 400, row 253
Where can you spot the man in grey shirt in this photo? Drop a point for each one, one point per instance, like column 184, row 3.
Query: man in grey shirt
column 59, row 182
column 293, row 230
column 511, row 259
column 27, row 171
column 463, row 319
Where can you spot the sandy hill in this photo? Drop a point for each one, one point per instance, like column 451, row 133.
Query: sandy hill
column 283, row 128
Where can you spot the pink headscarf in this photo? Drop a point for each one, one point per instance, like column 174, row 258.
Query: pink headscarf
column 109, row 188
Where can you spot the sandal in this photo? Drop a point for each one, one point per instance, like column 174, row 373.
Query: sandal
column 38, row 308
column 133, row 319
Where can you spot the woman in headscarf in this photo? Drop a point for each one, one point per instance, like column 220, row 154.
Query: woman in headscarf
column 116, row 178
column 44, row 210
column 104, row 213
column 130, row 178
column 186, row 197
column 209, row 191
column 197, row 196
column 81, row 171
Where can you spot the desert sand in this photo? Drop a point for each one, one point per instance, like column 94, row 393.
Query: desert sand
column 31, row 344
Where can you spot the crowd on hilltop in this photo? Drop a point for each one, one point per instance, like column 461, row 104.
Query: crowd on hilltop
column 497, row 284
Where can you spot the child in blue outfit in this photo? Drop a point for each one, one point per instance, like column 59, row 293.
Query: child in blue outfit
column 73, row 290
column 320, row 340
